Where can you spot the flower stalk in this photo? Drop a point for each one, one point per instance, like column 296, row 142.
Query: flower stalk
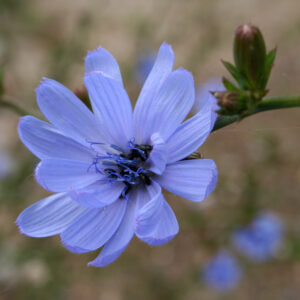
column 13, row 107
column 270, row 103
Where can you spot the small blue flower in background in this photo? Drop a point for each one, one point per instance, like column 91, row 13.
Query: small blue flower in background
column 107, row 167
column 222, row 273
column 144, row 65
column 261, row 239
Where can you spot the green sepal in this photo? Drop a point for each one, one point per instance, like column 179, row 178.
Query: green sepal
column 240, row 78
column 229, row 85
column 232, row 70
column 270, row 58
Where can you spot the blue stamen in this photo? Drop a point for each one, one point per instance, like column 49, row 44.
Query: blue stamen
column 123, row 167
column 117, row 148
column 133, row 146
column 94, row 143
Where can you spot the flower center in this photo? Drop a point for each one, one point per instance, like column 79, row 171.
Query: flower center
column 128, row 168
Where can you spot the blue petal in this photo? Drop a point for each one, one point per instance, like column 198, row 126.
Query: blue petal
column 190, row 179
column 112, row 106
column 158, row 155
column 160, row 71
column 60, row 175
column 45, row 141
column 205, row 100
column 204, row 96
column 162, row 228
column 94, row 227
column 99, row 194
column 119, row 241
column 66, row 112
column 170, row 106
column 101, row 60
column 49, row 216
column 149, row 203
column 190, row 135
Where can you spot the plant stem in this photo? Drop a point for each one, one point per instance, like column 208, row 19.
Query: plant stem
column 14, row 107
column 265, row 105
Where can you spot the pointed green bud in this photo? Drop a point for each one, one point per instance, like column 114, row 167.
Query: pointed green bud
column 250, row 55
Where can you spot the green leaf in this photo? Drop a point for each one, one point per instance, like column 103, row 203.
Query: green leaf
column 229, row 85
column 232, row 70
column 237, row 75
column 268, row 65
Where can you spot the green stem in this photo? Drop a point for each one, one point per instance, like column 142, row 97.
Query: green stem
column 14, row 107
column 265, row 105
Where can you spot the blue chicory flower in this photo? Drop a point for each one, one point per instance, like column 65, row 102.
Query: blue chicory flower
column 107, row 167
column 261, row 239
column 222, row 273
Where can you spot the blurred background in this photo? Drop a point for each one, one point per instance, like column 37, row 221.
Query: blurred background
column 258, row 159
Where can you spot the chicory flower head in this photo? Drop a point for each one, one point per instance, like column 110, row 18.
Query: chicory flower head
column 222, row 273
column 261, row 239
column 107, row 167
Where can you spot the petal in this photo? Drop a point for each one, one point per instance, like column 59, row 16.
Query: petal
column 169, row 106
column 112, row 106
column 101, row 60
column 99, row 194
column 66, row 112
column 45, row 141
column 158, row 155
column 149, row 203
column 49, row 216
column 165, row 227
column 60, row 175
column 191, row 179
column 162, row 68
column 94, row 227
column 204, row 98
column 190, row 135
column 119, row 241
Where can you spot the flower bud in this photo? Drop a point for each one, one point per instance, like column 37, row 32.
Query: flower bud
column 250, row 54
column 228, row 101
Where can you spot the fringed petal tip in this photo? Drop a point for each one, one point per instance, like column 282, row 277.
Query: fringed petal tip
column 213, row 182
column 43, row 82
column 166, row 46
column 91, row 52
column 182, row 69
column 102, row 60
